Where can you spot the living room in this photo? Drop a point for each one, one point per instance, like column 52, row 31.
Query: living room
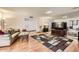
column 39, row 29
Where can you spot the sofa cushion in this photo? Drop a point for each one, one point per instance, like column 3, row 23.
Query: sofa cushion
column 15, row 34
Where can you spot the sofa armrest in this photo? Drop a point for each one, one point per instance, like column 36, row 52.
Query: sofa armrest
column 4, row 40
column 14, row 37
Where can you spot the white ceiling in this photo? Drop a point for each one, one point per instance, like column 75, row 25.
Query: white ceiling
column 40, row 11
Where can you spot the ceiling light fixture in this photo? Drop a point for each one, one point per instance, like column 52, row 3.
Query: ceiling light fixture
column 48, row 12
column 64, row 17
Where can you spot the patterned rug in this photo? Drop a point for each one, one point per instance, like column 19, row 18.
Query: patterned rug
column 56, row 44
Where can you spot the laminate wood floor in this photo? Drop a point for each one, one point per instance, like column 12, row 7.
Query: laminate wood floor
column 31, row 46
column 24, row 46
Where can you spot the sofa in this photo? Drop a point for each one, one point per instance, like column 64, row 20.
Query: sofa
column 8, row 39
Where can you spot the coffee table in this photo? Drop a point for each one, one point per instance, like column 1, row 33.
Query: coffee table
column 23, row 36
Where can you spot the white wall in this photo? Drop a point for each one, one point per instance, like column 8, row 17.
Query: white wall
column 17, row 21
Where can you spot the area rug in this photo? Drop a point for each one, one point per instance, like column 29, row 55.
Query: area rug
column 56, row 44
